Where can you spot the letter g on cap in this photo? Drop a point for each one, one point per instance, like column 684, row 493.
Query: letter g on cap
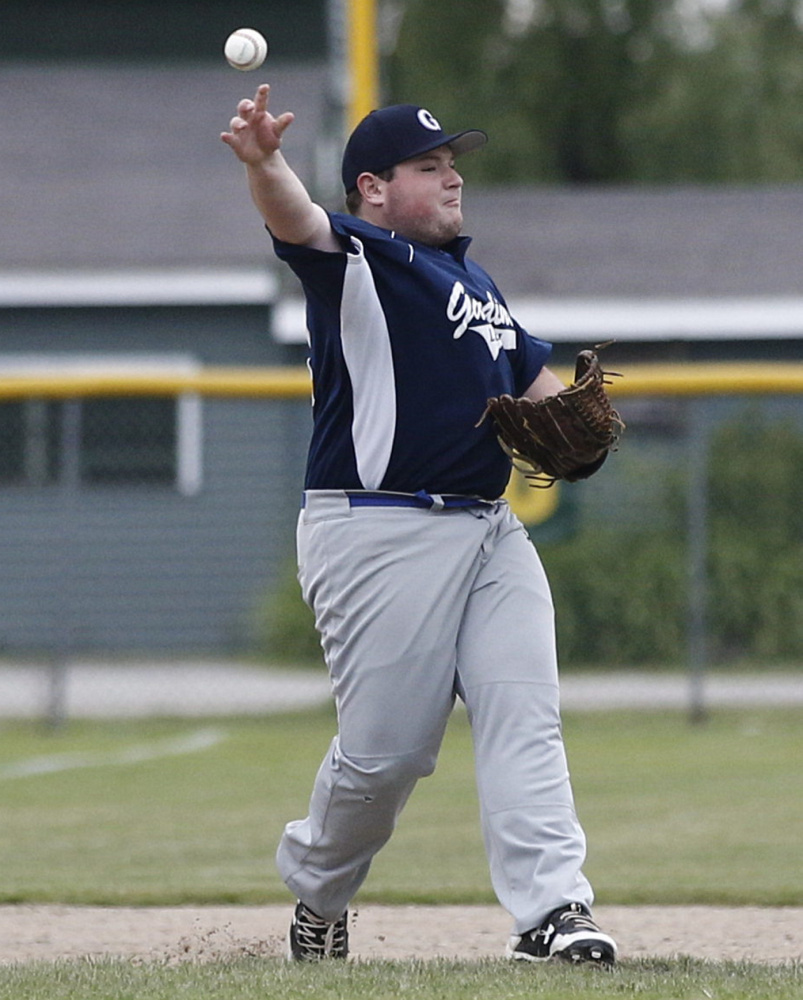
column 428, row 120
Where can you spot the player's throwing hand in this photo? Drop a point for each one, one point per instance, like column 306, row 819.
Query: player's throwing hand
column 255, row 134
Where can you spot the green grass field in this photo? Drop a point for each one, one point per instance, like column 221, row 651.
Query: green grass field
column 674, row 813
column 169, row 812
column 438, row 980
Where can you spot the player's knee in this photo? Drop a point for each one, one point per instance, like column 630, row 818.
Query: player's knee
column 391, row 773
column 420, row 763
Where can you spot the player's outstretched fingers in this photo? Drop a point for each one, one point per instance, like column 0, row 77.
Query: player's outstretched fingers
column 246, row 108
column 236, row 127
column 283, row 121
column 261, row 97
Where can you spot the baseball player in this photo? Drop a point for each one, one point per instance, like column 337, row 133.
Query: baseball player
column 424, row 585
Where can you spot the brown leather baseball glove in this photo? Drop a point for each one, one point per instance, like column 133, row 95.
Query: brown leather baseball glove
column 567, row 436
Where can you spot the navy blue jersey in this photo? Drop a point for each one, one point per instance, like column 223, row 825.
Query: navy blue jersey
column 407, row 343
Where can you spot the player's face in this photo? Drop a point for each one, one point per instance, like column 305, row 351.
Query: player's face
column 422, row 201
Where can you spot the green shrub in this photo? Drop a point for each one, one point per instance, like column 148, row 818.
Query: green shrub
column 756, row 540
column 286, row 624
column 619, row 598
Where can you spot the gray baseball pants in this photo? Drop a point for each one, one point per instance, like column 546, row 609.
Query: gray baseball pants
column 414, row 608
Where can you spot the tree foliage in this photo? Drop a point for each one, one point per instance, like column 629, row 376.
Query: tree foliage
column 601, row 91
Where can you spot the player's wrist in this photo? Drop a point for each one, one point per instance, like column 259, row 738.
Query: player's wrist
column 269, row 165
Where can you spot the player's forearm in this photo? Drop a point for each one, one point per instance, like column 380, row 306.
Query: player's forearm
column 546, row 384
column 285, row 205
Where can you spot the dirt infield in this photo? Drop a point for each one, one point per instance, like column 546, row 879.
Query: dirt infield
column 175, row 934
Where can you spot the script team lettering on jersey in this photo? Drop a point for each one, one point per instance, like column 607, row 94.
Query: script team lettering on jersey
column 495, row 324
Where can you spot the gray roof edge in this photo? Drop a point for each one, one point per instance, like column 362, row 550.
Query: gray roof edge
column 137, row 286
column 655, row 319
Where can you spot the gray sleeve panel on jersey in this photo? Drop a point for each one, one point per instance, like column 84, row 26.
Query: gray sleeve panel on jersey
column 366, row 350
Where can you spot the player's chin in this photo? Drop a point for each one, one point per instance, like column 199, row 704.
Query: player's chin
column 435, row 230
column 451, row 222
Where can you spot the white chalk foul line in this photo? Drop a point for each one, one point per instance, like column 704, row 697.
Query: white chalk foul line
column 201, row 739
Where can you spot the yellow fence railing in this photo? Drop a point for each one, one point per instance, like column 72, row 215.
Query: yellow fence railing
column 280, row 383
column 687, row 379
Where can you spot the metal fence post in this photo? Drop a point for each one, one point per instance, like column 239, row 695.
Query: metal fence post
column 67, row 551
column 697, row 559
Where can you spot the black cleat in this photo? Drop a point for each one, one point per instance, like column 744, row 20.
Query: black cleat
column 569, row 935
column 311, row 938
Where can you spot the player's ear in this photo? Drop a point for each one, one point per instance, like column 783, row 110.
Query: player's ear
column 372, row 188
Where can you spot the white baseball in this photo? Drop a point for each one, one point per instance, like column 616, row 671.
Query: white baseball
column 245, row 49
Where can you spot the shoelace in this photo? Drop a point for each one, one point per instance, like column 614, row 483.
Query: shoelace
column 317, row 935
column 578, row 919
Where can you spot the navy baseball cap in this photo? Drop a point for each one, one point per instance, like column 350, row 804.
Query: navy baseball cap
column 391, row 135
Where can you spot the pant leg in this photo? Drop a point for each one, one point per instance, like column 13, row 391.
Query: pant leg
column 388, row 587
column 508, row 674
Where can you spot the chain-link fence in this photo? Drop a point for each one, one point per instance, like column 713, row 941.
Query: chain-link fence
column 149, row 522
column 148, row 518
